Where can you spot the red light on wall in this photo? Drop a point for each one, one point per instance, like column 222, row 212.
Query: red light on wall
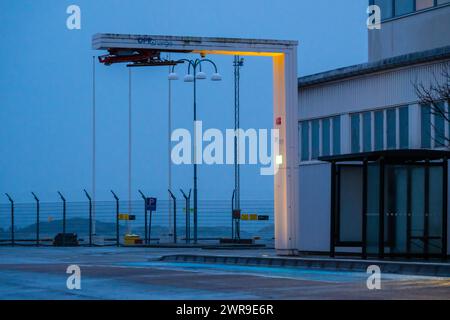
column 278, row 121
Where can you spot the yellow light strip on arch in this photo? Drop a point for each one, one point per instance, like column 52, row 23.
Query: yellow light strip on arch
column 239, row 53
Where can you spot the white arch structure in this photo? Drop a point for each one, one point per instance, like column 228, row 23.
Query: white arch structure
column 285, row 107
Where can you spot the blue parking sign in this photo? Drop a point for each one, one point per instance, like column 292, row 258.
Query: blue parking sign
column 150, row 204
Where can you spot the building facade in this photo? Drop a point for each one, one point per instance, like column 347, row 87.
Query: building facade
column 373, row 166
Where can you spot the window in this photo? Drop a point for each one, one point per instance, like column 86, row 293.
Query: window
column 379, row 130
column 337, row 135
column 326, row 137
column 305, row 140
column 404, row 7
column 404, row 127
column 319, row 137
column 426, row 126
column 439, row 2
column 424, row 4
column 355, row 133
column 433, row 122
column 367, row 131
column 315, row 139
column 439, row 125
column 386, row 7
column 391, row 128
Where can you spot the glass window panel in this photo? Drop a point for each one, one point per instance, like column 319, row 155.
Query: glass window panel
column 337, row 135
column 367, row 131
column 435, row 210
column 315, row 139
column 403, row 7
column 355, row 133
column 373, row 201
column 391, row 124
column 426, row 126
column 379, row 130
column 326, row 137
column 404, row 127
column 385, row 7
column 439, row 125
column 442, row 1
column 424, row 4
column 305, row 141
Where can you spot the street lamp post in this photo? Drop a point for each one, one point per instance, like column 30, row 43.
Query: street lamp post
column 194, row 64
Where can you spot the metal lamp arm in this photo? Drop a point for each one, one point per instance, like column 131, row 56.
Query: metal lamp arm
column 210, row 61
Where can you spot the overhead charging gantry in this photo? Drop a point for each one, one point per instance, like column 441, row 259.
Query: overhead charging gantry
column 146, row 50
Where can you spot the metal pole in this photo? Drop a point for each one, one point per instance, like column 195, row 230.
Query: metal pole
column 37, row 217
column 90, row 217
column 129, row 148
column 64, row 218
column 333, row 210
column 238, row 63
column 364, row 207
column 195, row 152
column 169, row 145
column 145, row 217
column 187, row 199
column 444, row 208
column 93, row 143
column 174, row 216
column 117, row 218
column 12, row 219
column 232, row 214
column 426, row 222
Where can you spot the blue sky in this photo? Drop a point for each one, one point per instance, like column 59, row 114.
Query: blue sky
column 45, row 89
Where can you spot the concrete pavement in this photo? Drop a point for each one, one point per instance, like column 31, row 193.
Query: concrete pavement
column 140, row 273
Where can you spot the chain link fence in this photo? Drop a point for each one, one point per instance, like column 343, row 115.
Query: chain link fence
column 101, row 223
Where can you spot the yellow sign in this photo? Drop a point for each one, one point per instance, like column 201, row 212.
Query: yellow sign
column 249, row 217
column 123, row 216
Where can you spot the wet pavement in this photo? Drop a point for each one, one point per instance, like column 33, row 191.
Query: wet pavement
column 137, row 273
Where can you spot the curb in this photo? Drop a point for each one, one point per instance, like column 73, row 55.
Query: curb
column 396, row 267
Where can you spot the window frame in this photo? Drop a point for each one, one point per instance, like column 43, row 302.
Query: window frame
column 331, row 139
column 384, row 141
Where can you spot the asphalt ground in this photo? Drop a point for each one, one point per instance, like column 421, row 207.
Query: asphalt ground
column 137, row 273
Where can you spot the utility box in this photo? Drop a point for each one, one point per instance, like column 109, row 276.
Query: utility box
column 132, row 239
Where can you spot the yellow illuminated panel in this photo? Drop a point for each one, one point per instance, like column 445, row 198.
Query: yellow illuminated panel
column 240, row 53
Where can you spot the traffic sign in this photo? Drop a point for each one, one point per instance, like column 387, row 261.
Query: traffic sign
column 150, row 204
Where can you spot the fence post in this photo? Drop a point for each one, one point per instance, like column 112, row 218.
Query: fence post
column 12, row 218
column 90, row 216
column 37, row 218
column 174, row 216
column 64, row 218
column 232, row 214
column 187, row 199
column 145, row 216
column 117, row 218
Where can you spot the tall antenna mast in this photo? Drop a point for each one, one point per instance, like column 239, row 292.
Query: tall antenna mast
column 238, row 63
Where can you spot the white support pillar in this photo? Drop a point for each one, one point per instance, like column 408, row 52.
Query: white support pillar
column 286, row 181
